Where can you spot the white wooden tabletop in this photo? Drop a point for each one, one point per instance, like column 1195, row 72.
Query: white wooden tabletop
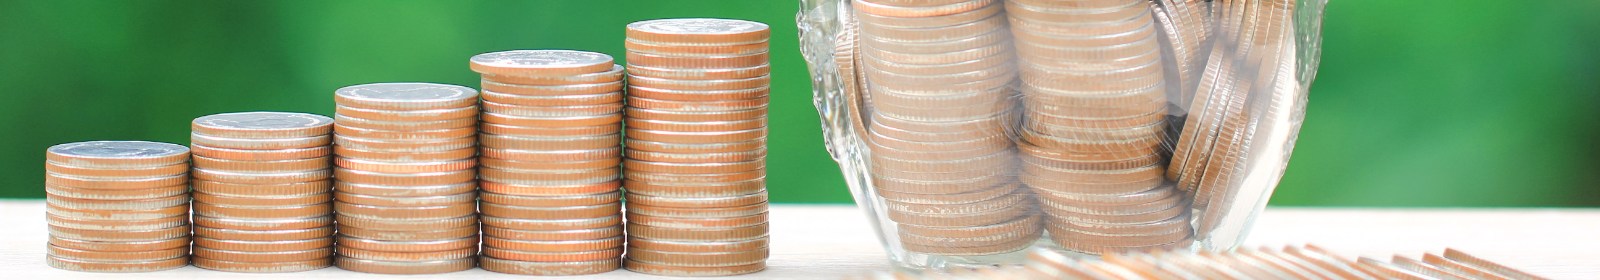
column 834, row 241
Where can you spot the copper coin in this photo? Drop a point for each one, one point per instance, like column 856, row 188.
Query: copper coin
column 553, row 122
column 114, row 184
column 268, row 257
column 532, row 92
column 695, row 61
column 968, row 29
column 550, row 177
column 738, row 156
column 405, row 96
column 553, row 245
column 263, row 267
column 698, row 202
column 405, row 191
column 346, row 221
column 669, row 147
column 385, row 156
column 140, row 224
column 549, row 268
column 551, row 110
column 696, row 126
column 540, row 62
column 700, row 85
column 119, row 235
column 615, row 74
column 271, row 200
column 279, row 154
column 554, row 155
column 263, row 212
column 887, row 8
column 547, row 224
column 92, row 266
column 697, row 234
column 566, row 234
column 260, row 166
column 926, row 21
column 672, row 49
column 678, row 94
column 551, row 201
column 698, row 259
column 695, row 116
column 694, row 168
column 698, row 31
column 260, row 144
column 532, row 256
column 405, row 267
column 697, row 212
column 264, row 246
column 698, row 106
column 117, row 154
column 468, row 197
column 695, row 190
column 404, row 212
column 519, row 142
column 697, row 223
column 80, row 193
column 347, row 176
column 130, row 256
column 116, row 204
column 382, row 124
column 262, row 224
column 606, row 98
column 1118, row 240
column 963, row 219
column 116, row 214
column 938, row 187
column 114, row 173
column 699, row 74
column 264, row 235
column 954, row 198
column 120, row 246
column 699, row 246
column 408, row 256
column 673, row 178
column 262, row 178
column 1025, row 226
column 500, row 129
column 261, row 125
column 408, row 246
column 407, row 167
column 688, row 271
column 408, row 116
column 535, row 166
column 532, row 190
column 562, row 212
column 447, row 133
column 997, row 203
column 410, row 235
column 945, row 249
column 948, row 45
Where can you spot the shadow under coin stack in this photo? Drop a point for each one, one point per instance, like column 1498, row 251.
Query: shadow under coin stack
column 940, row 81
column 117, row 206
column 696, row 158
column 406, row 189
column 262, row 200
column 1095, row 95
column 552, row 146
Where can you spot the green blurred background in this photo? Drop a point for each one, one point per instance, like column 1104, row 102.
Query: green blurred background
column 1418, row 103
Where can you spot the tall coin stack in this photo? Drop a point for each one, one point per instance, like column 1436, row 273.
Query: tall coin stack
column 1094, row 90
column 262, row 200
column 406, row 188
column 696, row 138
column 117, row 206
column 941, row 84
column 552, row 148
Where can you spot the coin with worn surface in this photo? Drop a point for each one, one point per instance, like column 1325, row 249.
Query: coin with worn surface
column 262, row 125
column 405, row 267
column 117, row 154
column 549, row 268
column 540, row 63
column 405, row 96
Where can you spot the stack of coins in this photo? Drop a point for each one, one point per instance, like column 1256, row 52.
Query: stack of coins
column 117, row 206
column 262, row 200
column 552, row 146
column 406, row 178
column 1094, row 90
column 940, row 79
column 696, row 138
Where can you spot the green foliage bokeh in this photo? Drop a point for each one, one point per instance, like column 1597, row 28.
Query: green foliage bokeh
column 1418, row 103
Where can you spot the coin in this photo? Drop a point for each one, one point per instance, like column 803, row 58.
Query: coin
column 540, row 62
column 266, row 257
column 549, row 268
column 404, row 96
column 117, row 154
column 264, row 235
column 553, row 245
column 688, row 271
column 410, row 235
column 52, row 168
column 698, row 31
column 506, row 254
column 405, row 267
column 407, row 246
column 262, row 267
column 139, row 266
column 130, row 256
column 262, row 224
column 566, row 234
column 615, row 74
column 698, row 259
column 408, row 256
column 262, row 125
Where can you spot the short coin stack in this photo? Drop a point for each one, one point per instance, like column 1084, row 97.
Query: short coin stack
column 262, row 200
column 940, row 77
column 117, row 206
column 696, row 139
column 406, row 189
column 1094, row 90
column 552, row 148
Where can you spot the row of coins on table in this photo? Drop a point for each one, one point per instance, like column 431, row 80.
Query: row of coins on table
column 696, row 138
column 405, row 172
column 117, row 206
column 262, row 192
column 1095, row 98
column 552, row 148
column 943, row 98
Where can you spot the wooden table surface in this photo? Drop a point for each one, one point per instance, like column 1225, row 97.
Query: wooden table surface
column 834, row 241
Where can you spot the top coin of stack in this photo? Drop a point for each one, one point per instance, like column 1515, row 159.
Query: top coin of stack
column 552, row 148
column 1094, row 90
column 406, row 189
column 262, row 200
column 696, row 140
column 117, row 206
column 940, row 77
